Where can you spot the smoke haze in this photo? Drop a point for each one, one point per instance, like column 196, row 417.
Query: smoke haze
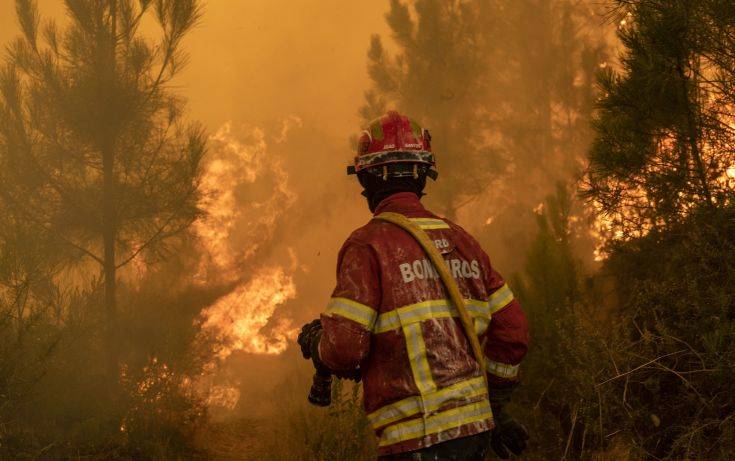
column 277, row 84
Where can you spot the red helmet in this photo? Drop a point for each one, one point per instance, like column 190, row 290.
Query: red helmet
column 394, row 139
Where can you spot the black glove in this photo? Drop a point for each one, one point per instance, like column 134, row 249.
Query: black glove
column 308, row 339
column 309, row 333
column 508, row 434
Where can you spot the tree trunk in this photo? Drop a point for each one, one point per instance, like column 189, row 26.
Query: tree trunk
column 109, row 218
column 544, row 98
column 693, row 130
column 109, row 236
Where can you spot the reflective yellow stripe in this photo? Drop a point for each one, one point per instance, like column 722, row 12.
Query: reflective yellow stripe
column 438, row 308
column 417, row 357
column 503, row 370
column 430, row 223
column 461, row 391
column 442, row 421
column 412, row 313
column 387, row 322
column 500, row 299
column 347, row 308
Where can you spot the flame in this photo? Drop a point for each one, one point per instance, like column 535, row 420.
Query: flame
column 237, row 224
column 240, row 317
column 246, row 194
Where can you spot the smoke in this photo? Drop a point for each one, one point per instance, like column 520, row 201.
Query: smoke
column 278, row 84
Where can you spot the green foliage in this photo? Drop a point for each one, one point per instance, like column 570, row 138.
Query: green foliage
column 559, row 400
column 659, row 173
column 664, row 138
column 677, row 296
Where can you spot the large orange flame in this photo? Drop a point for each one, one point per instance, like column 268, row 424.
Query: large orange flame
column 239, row 317
column 246, row 194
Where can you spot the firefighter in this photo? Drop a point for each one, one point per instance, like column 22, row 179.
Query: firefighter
column 390, row 322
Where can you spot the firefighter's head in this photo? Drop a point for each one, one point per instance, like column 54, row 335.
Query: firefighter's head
column 393, row 155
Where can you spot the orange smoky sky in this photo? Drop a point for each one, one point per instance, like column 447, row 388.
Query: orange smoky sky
column 258, row 60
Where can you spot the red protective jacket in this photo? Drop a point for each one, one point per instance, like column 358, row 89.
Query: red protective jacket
column 390, row 316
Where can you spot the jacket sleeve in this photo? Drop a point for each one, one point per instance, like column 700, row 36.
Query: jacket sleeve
column 351, row 313
column 506, row 338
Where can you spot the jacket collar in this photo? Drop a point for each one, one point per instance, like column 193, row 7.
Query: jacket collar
column 401, row 202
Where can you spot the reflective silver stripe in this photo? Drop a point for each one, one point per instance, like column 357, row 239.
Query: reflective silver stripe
column 438, row 308
column 417, row 357
column 503, row 370
column 430, row 223
column 479, row 312
column 387, row 322
column 442, row 421
column 476, row 308
column 349, row 309
column 500, row 299
column 457, row 392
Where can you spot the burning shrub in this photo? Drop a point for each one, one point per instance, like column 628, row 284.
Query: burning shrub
column 163, row 412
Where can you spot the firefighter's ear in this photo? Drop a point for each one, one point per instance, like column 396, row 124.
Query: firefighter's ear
column 433, row 174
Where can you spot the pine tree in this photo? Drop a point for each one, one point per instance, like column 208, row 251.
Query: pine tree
column 440, row 77
column 505, row 86
column 660, row 173
column 550, row 52
column 94, row 153
column 558, row 401
column 664, row 137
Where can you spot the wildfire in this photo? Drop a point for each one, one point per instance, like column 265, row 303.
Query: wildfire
column 240, row 317
column 246, row 191
column 246, row 194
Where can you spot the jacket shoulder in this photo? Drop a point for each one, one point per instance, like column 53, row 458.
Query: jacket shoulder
column 368, row 233
column 466, row 237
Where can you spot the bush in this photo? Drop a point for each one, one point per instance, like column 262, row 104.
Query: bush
column 559, row 400
column 646, row 373
column 677, row 349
